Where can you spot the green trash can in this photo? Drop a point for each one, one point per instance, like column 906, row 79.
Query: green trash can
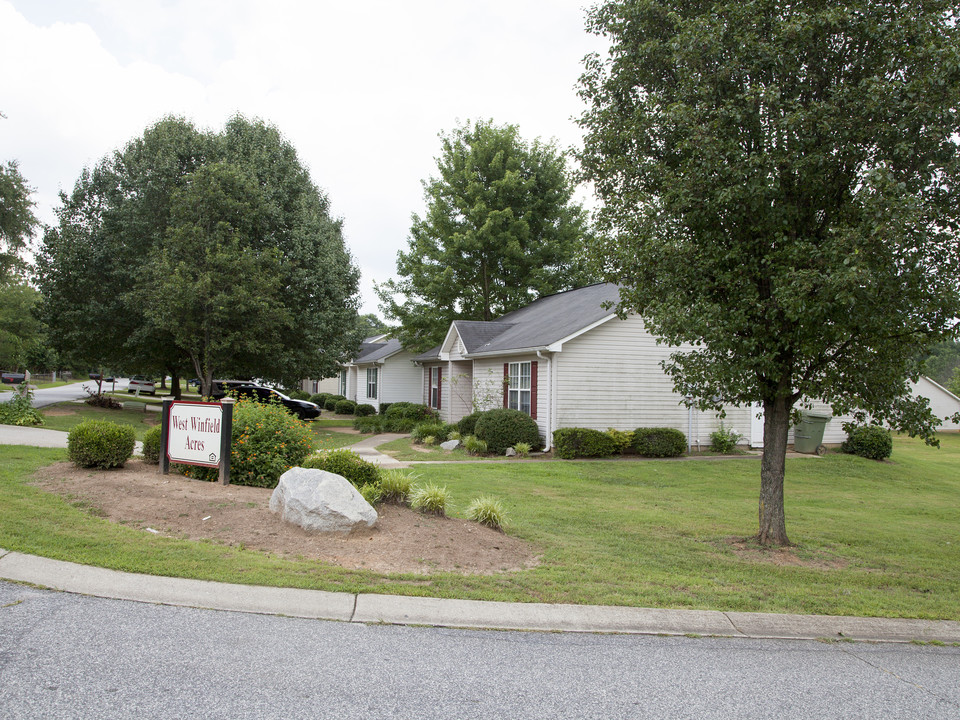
column 808, row 435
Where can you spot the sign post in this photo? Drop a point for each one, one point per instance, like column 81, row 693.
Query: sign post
column 196, row 433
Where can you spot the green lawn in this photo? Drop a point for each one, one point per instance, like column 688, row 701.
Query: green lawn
column 404, row 449
column 65, row 416
column 873, row 539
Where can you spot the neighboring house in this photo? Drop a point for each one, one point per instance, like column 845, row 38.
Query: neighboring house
column 568, row 361
column 327, row 385
column 382, row 372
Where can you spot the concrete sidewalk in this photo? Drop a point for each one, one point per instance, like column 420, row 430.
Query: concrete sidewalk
column 402, row 610
column 367, row 449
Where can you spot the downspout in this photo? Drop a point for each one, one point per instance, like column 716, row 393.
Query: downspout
column 549, row 438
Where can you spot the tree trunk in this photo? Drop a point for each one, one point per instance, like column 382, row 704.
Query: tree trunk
column 776, row 425
column 175, row 385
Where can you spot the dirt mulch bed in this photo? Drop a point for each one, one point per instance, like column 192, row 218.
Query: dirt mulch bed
column 404, row 541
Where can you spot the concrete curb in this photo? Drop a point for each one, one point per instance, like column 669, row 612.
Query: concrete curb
column 477, row 614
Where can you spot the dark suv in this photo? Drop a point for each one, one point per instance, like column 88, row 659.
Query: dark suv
column 301, row 408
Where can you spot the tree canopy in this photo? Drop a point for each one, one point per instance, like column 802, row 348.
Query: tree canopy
column 780, row 191
column 182, row 219
column 501, row 229
column 17, row 221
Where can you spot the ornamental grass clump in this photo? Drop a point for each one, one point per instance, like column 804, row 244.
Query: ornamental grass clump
column 487, row 511
column 100, row 444
column 474, row 445
column 522, row 449
column 396, row 485
column 266, row 442
column 430, row 498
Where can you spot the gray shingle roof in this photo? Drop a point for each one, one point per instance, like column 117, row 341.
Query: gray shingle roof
column 372, row 352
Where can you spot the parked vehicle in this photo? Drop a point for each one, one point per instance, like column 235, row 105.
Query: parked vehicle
column 303, row 409
column 143, row 384
column 96, row 376
column 13, row 378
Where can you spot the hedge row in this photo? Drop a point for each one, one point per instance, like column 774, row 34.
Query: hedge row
column 569, row 443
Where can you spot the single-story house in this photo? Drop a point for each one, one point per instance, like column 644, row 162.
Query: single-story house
column 382, row 372
column 568, row 361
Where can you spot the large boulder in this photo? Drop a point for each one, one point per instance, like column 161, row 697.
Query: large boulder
column 321, row 501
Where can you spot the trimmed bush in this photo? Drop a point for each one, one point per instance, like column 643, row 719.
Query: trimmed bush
column 266, row 442
column 623, row 439
column 365, row 410
column 867, row 441
column 319, row 398
column 331, row 402
column 503, row 428
column 384, row 407
column 439, row 431
column 467, row 425
column 345, row 463
column 410, row 411
column 659, row 442
column 299, row 394
column 487, row 511
column 151, row 445
column 569, row 443
column 100, row 444
column 345, row 407
column 368, row 424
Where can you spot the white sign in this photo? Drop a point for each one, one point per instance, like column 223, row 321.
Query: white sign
column 193, row 433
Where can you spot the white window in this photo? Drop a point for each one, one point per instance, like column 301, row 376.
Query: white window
column 518, row 387
column 372, row 383
column 343, row 382
column 435, row 388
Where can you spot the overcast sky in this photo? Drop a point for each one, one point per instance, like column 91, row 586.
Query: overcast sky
column 360, row 89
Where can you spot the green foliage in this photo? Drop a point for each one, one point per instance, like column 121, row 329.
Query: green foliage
column 366, row 425
column 867, row 441
column 659, row 442
column 17, row 220
column 299, row 395
column 438, row 430
column 104, row 401
column 371, row 492
column 22, row 336
column 365, row 410
column 430, row 498
column 151, row 445
column 943, row 363
column 724, row 441
column 487, row 511
column 347, row 464
column 410, row 411
column 19, row 409
column 195, row 203
column 569, row 443
column 320, row 399
column 467, row 425
column 395, row 485
column 501, row 229
column 474, row 445
column 503, row 428
column 954, row 384
column 384, row 407
column 453, row 434
column 622, row 439
column 776, row 203
column 100, row 444
column 398, row 424
column 523, row 449
column 266, row 442
column 345, row 407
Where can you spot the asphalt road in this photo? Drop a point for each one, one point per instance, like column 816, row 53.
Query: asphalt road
column 72, row 656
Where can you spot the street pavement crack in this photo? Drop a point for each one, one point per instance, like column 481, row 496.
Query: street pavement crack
column 900, row 678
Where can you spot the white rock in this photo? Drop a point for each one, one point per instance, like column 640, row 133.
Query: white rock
column 450, row 444
column 321, row 501
column 510, row 452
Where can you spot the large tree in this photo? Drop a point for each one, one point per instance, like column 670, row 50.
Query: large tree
column 780, row 190
column 98, row 266
column 501, row 229
column 17, row 221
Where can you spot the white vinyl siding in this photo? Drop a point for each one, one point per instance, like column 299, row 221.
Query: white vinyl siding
column 488, row 386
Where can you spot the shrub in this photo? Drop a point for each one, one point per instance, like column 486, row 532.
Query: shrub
column 623, row 439
column 320, row 399
column 345, row 463
column 395, row 485
column 522, row 449
column 365, row 410
column 384, row 407
column 439, row 431
column 867, row 441
column 345, row 407
column 100, row 444
column 571, row 443
column 266, row 442
column 104, row 401
column 19, row 410
column 299, row 394
column 487, row 511
column 467, row 425
column 474, row 446
column 724, row 441
column 453, row 434
column 371, row 492
column 503, row 428
column 410, row 411
column 368, row 424
column 151, row 445
column 398, row 425
column 430, row 498
column 429, row 440
column 331, row 402
column 659, row 442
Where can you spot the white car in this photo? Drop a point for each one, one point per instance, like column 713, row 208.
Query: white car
column 142, row 383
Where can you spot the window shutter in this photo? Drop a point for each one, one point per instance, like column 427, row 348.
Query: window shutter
column 439, row 386
column 506, row 384
column 533, row 389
